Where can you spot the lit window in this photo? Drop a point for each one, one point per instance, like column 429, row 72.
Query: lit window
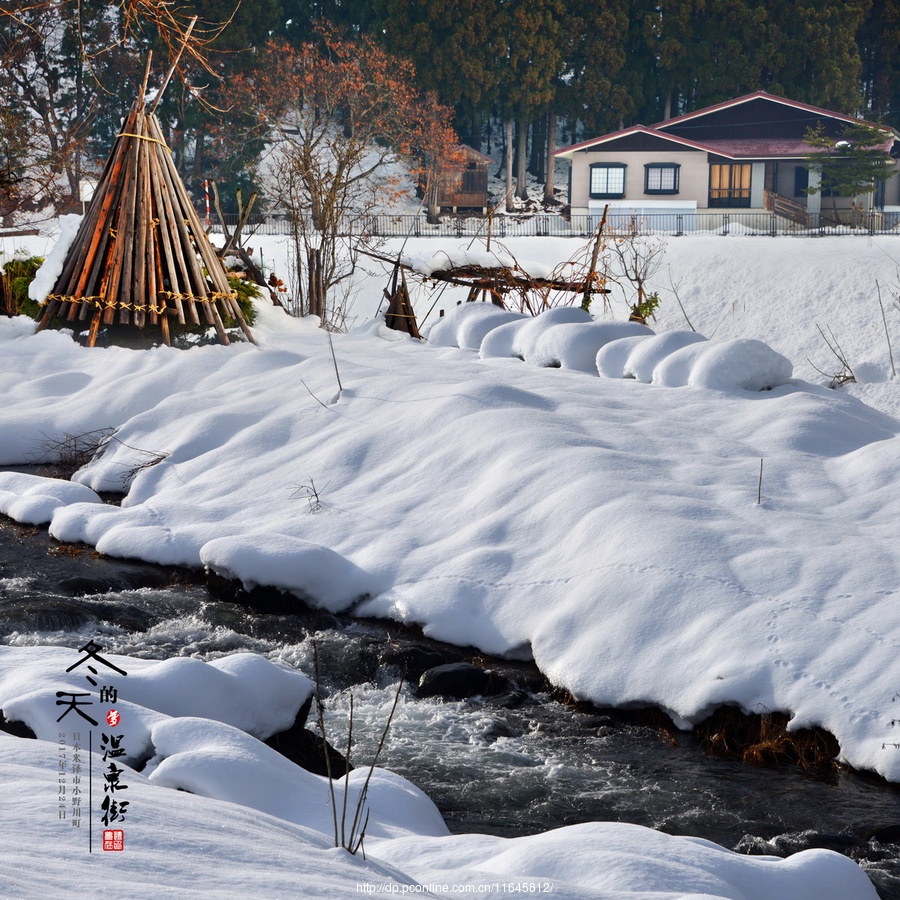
column 607, row 180
column 661, row 178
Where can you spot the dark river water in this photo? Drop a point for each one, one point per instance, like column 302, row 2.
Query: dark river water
column 518, row 764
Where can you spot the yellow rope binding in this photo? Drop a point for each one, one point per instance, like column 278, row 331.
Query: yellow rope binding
column 144, row 137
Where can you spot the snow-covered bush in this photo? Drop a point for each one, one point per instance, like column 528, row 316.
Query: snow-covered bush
column 682, row 358
column 644, row 358
column 518, row 339
column 744, row 363
column 467, row 324
column 574, row 345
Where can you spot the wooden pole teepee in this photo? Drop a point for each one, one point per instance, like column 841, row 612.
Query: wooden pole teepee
column 400, row 315
column 141, row 255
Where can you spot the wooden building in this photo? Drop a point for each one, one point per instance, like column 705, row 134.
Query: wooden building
column 464, row 185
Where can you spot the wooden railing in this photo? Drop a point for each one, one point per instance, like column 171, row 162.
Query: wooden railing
column 784, row 206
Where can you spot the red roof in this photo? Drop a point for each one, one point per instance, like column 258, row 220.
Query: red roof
column 736, row 149
column 635, row 129
column 763, row 95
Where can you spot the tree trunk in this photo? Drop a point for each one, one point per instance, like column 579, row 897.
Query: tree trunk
column 316, row 291
column 510, row 206
column 522, row 161
column 667, row 108
column 432, row 197
column 550, row 180
column 537, row 158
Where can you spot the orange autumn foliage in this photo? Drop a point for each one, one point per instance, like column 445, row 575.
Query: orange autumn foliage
column 338, row 114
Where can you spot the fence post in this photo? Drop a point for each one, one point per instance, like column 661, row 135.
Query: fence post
column 725, row 219
column 679, row 225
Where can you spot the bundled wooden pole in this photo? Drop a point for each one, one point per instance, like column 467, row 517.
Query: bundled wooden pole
column 141, row 256
column 400, row 315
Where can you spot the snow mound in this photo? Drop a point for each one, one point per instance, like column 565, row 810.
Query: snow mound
column 33, row 499
column 646, row 356
column 574, row 345
column 613, row 357
column 518, row 339
column 681, row 358
column 674, row 370
column 290, row 564
column 618, row 861
column 215, row 760
column 467, row 324
column 743, row 363
column 245, row 691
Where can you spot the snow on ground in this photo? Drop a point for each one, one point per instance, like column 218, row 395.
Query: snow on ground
column 216, row 813
column 614, row 528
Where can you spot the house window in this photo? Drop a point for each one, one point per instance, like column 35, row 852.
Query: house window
column 729, row 184
column 801, row 183
column 661, row 178
column 607, row 181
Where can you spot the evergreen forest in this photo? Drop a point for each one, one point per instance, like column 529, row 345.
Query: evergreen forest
column 523, row 74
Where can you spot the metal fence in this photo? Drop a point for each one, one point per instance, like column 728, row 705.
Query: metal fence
column 674, row 224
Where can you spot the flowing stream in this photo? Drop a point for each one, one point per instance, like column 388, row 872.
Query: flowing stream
column 513, row 765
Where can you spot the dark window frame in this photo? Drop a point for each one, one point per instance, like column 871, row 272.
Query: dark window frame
column 675, row 168
column 607, row 195
column 801, row 182
column 731, row 196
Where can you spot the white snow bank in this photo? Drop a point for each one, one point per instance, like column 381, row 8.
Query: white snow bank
column 279, row 561
column 609, row 528
column 221, row 762
column 177, row 845
column 217, row 813
column 33, row 499
column 616, row 862
column 243, row 690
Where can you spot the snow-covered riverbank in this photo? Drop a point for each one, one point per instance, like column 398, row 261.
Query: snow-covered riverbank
column 608, row 527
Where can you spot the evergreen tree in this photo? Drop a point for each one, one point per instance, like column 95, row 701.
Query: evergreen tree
column 530, row 70
column 457, row 49
column 879, row 46
column 852, row 165
column 812, row 52
column 592, row 89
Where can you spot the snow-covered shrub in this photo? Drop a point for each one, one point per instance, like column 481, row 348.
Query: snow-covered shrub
column 675, row 369
column 744, row 363
column 467, row 324
column 648, row 354
column 574, row 345
column 518, row 339
column 682, row 358
column 473, row 329
column 611, row 358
